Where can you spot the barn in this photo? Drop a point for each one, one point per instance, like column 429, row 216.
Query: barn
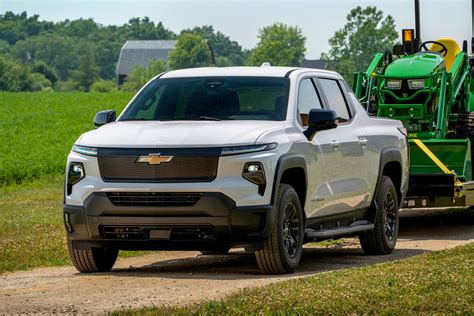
column 140, row 53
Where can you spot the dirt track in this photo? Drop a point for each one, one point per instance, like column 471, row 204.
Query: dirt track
column 173, row 278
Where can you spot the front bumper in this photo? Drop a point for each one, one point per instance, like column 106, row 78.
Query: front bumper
column 214, row 221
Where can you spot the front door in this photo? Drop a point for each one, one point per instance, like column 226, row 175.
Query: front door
column 343, row 150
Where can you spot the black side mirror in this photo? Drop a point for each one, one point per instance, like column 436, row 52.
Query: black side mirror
column 319, row 120
column 104, row 117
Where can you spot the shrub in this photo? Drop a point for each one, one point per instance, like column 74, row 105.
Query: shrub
column 103, row 86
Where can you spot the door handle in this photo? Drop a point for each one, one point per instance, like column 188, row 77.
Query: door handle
column 335, row 144
column 363, row 142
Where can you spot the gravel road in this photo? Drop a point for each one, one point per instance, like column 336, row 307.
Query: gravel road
column 173, row 278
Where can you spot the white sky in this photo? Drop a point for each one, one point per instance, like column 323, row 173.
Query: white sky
column 241, row 19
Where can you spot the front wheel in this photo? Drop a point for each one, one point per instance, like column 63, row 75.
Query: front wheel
column 383, row 238
column 92, row 259
column 281, row 252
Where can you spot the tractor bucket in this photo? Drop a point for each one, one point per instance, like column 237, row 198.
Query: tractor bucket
column 455, row 154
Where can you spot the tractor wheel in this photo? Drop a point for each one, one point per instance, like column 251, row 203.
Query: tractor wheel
column 465, row 129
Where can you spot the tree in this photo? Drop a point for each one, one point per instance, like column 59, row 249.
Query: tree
column 280, row 45
column 227, row 52
column 144, row 29
column 142, row 75
column 14, row 76
column 49, row 73
column 191, row 51
column 60, row 52
column 365, row 33
column 86, row 73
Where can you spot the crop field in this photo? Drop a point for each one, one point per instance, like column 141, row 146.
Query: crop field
column 37, row 131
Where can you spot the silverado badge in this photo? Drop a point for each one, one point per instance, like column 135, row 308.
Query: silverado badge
column 154, row 159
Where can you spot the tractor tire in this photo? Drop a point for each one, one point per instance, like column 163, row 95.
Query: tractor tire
column 92, row 259
column 465, row 129
column 383, row 238
column 216, row 252
column 281, row 252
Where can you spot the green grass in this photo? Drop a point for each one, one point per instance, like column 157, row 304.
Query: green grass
column 37, row 130
column 31, row 226
column 433, row 283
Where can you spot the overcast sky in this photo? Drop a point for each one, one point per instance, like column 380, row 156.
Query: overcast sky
column 241, row 19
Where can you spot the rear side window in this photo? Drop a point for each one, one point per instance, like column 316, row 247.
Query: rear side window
column 335, row 98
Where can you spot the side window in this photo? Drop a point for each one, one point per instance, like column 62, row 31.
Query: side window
column 335, row 98
column 307, row 99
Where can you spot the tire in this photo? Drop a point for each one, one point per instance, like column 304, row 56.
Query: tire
column 383, row 238
column 465, row 128
column 215, row 252
column 281, row 252
column 93, row 259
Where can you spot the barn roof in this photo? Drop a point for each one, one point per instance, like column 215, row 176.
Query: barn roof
column 140, row 53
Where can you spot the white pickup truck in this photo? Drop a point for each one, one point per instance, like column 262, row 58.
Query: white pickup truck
column 265, row 158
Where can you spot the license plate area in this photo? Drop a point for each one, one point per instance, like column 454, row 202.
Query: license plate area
column 162, row 234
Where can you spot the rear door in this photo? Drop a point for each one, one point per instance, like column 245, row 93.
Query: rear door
column 343, row 149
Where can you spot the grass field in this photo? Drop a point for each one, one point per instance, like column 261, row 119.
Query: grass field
column 433, row 283
column 37, row 130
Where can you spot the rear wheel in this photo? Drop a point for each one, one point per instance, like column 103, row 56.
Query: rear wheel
column 383, row 238
column 465, row 128
column 92, row 259
column 281, row 253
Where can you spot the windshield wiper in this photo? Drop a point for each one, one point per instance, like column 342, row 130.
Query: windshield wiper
column 209, row 118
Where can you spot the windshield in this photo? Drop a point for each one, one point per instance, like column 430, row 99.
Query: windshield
column 211, row 98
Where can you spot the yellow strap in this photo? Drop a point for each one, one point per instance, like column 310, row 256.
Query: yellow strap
column 458, row 184
column 433, row 157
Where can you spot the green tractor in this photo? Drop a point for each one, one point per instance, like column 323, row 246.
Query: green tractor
column 427, row 85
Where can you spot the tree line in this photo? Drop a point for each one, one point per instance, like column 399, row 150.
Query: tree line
column 81, row 55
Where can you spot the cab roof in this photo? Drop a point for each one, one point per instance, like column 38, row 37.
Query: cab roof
column 244, row 71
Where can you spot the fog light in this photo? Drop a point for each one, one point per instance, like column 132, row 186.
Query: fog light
column 254, row 172
column 75, row 174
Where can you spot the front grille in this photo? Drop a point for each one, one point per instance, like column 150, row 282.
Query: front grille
column 186, row 165
column 179, row 233
column 163, row 199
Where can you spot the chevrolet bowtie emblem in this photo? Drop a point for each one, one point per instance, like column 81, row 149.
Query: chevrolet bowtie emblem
column 154, row 159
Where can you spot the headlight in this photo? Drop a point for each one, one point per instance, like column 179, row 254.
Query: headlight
column 254, row 172
column 393, row 84
column 416, row 84
column 239, row 150
column 89, row 151
column 75, row 174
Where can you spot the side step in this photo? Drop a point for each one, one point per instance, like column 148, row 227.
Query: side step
column 356, row 227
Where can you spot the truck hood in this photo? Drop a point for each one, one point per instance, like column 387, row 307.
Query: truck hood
column 415, row 66
column 177, row 133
